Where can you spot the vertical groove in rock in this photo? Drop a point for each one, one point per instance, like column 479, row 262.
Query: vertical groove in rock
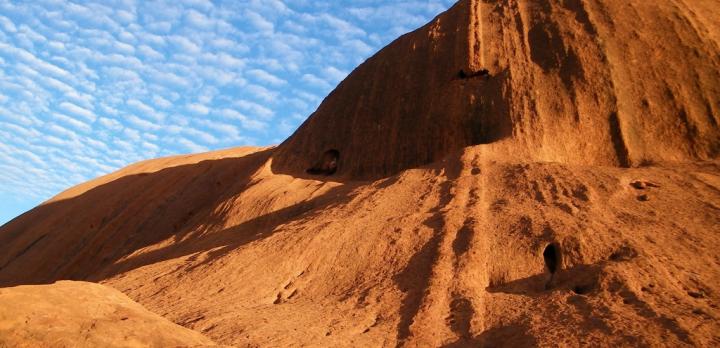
column 618, row 140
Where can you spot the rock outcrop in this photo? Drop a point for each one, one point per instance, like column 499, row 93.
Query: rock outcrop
column 612, row 82
column 78, row 314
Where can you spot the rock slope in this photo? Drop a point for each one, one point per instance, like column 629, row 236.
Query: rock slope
column 77, row 314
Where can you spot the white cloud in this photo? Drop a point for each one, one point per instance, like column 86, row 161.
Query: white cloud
column 359, row 47
column 150, row 146
column 198, row 19
column 72, row 122
column 160, row 26
column 19, row 131
column 193, row 147
column 197, row 134
column 124, row 48
column 259, row 21
column 343, row 29
column 127, row 36
column 7, row 24
column 32, row 60
column 229, row 61
column 142, row 124
column 199, row 109
column 125, row 16
column 229, row 45
column 122, row 74
column 161, row 102
column 246, row 122
column 334, row 74
column 262, row 93
column 184, row 44
column 226, row 129
column 78, row 111
column 149, row 52
column 266, row 77
column 255, row 108
column 315, row 81
column 146, row 110
column 132, row 134
column 63, row 132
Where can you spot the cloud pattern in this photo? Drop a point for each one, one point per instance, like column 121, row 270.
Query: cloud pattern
column 87, row 87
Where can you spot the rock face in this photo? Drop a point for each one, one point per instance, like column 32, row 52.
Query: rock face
column 608, row 82
column 74, row 314
column 567, row 196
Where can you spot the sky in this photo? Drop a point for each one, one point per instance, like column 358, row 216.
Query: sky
column 88, row 87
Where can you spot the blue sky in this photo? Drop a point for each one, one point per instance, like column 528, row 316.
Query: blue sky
column 89, row 87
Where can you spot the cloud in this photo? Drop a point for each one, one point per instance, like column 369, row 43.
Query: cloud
column 200, row 135
column 7, row 25
column 255, row 108
column 259, row 22
column 72, row 122
column 359, row 47
column 198, row 19
column 315, row 81
column 62, row 131
column 79, row 111
column 184, row 44
column 32, row 60
column 110, row 124
column 146, row 110
column 246, row 122
column 125, row 16
column 266, row 77
column 161, row 102
column 334, row 74
column 190, row 145
column 142, row 124
column 131, row 134
column 342, row 29
column 199, row 109
column 265, row 95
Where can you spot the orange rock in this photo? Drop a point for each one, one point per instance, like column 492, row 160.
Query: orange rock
column 72, row 314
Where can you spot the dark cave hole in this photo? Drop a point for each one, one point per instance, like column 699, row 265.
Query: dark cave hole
column 582, row 290
column 466, row 75
column 551, row 255
column 327, row 165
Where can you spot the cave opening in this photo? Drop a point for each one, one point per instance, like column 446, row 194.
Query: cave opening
column 327, row 165
column 551, row 255
column 470, row 74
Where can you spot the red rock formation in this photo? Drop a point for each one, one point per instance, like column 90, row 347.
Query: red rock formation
column 582, row 82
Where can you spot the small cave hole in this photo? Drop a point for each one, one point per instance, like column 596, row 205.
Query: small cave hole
column 551, row 255
column 327, row 165
column 582, row 289
column 470, row 74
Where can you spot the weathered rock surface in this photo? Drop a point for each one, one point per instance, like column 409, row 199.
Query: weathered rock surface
column 79, row 314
